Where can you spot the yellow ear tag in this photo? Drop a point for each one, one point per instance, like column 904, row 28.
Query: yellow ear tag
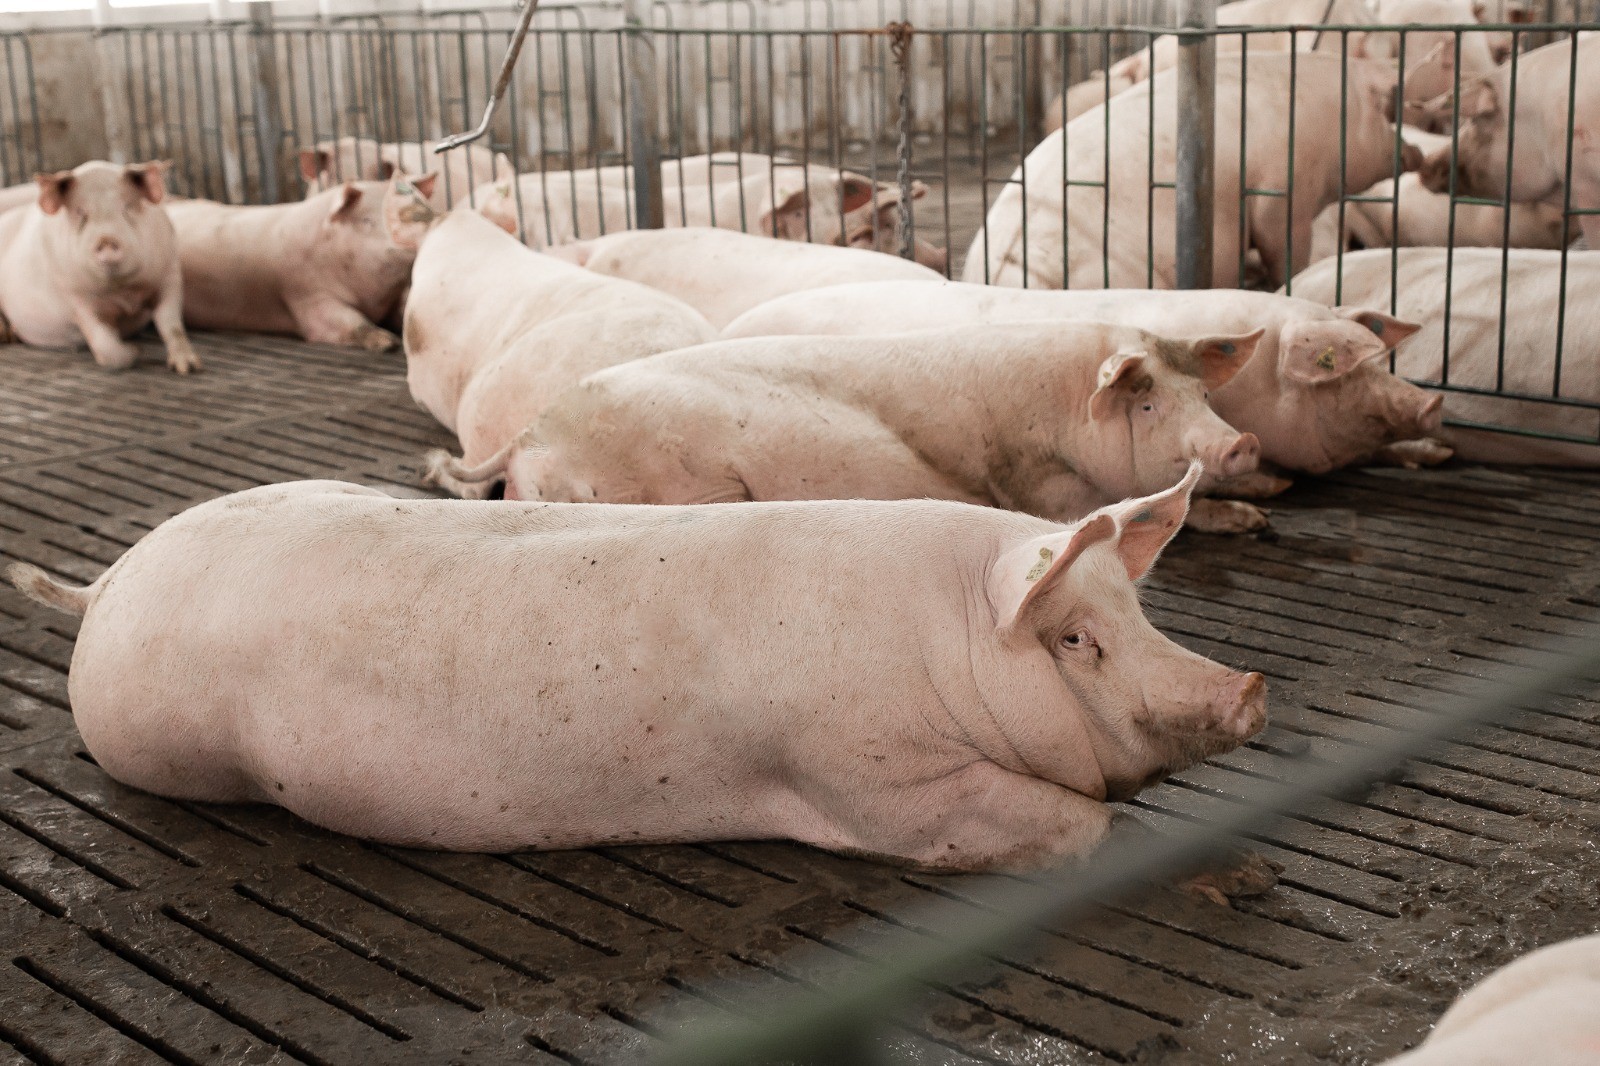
column 1039, row 568
column 403, row 188
column 1325, row 360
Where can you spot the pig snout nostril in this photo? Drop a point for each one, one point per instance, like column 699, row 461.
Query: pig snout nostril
column 1242, row 457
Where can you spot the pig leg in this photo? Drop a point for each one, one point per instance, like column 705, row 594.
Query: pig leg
column 992, row 818
column 105, row 343
column 169, row 323
column 1413, row 454
column 323, row 320
column 1225, row 516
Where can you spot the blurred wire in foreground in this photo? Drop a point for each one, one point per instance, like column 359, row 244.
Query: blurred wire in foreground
column 947, row 942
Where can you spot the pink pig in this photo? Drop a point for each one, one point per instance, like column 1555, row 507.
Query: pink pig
column 323, row 268
column 94, row 261
column 954, row 687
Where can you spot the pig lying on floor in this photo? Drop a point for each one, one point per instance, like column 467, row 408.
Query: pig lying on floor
column 955, row 687
column 1054, row 423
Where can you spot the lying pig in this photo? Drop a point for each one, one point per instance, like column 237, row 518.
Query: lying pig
column 1054, row 423
column 94, row 261
column 746, row 192
column 1540, row 1009
column 461, row 170
column 1317, row 393
column 1068, row 243
column 722, row 273
column 494, row 331
column 324, row 268
column 1532, row 315
column 1423, row 218
column 323, row 641
column 1538, row 167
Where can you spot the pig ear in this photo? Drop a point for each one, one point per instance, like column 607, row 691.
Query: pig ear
column 406, row 212
column 386, row 169
column 423, row 183
column 1121, row 376
column 1222, row 357
column 1478, row 101
column 1146, row 526
column 53, row 190
column 344, row 202
column 856, row 192
column 503, row 170
column 1314, row 353
column 1388, row 329
column 1027, row 571
column 313, row 161
column 787, row 220
column 149, row 179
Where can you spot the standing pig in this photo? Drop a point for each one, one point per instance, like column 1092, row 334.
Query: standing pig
column 1074, row 239
column 722, row 273
column 1054, row 423
column 952, row 687
column 1315, row 393
column 1539, row 1009
column 461, row 170
column 494, row 331
column 324, row 268
column 1533, row 311
column 1538, row 166
column 94, row 261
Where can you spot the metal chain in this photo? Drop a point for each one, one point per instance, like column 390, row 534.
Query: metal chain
column 900, row 34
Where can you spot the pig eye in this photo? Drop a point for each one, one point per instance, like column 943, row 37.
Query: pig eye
column 1147, row 408
column 1078, row 640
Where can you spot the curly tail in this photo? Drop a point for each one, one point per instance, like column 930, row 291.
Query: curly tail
column 42, row 588
column 468, row 482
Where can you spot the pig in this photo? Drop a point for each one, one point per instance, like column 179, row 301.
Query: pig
column 494, row 331
column 1429, row 53
column 461, row 170
column 1538, row 168
column 1054, row 423
column 723, row 273
column 323, row 268
column 1424, row 221
column 93, row 261
column 323, row 641
column 737, row 191
column 1316, row 393
column 13, row 196
column 1068, row 242
column 1540, row 1008
column 1533, row 310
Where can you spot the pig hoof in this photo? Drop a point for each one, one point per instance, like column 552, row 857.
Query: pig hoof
column 1240, row 876
column 183, row 362
column 1257, row 485
column 1414, row 454
column 376, row 339
column 1225, row 516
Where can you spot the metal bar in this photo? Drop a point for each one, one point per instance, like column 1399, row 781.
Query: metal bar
column 644, row 117
column 1196, row 162
column 507, row 66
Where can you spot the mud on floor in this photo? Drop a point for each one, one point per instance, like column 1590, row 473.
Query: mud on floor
column 137, row 929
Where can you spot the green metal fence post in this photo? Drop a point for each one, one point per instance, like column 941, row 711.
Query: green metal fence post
column 644, row 132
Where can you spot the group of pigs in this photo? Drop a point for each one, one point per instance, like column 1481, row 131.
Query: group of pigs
column 867, row 577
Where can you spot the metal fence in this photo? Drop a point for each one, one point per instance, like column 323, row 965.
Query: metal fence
column 232, row 103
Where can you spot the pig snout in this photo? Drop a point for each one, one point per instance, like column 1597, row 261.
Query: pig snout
column 109, row 253
column 1435, row 171
column 1229, row 455
column 1240, row 703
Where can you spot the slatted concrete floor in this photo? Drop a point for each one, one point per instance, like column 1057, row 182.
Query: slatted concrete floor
column 137, row 929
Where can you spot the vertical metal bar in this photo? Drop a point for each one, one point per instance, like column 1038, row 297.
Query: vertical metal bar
column 900, row 43
column 268, row 120
column 644, row 133
column 1197, row 135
